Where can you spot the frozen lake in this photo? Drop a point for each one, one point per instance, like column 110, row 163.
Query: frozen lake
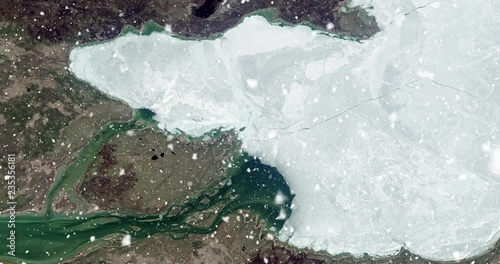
column 388, row 143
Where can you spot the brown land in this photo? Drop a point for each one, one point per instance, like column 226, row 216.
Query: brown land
column 240, row 240
column 46, row 116
column 96, row 20
column 146, row 171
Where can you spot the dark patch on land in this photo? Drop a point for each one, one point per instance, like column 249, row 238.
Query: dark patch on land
column 108, row 159
column 110, row 190
column 207, row 9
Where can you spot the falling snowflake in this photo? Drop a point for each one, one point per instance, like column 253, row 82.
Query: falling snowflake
column 126, row 240
column 252, row 83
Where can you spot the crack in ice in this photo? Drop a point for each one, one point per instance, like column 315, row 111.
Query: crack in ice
column 360, row 104
column 343, row 112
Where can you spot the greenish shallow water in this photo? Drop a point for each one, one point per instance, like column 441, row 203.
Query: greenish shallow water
column 53, row 237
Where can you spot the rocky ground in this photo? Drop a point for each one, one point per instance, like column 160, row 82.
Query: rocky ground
column 87, row 21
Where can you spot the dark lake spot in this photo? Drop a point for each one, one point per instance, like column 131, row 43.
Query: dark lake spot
column 155, row 157
column 207, row 9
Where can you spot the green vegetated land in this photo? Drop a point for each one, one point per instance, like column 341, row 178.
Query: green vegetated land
column 52, row 237
column 42, row 132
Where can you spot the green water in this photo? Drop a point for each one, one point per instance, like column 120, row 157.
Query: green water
column 53, row 237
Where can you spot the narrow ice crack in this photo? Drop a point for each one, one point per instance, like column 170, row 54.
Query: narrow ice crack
column 415, row 9
column 362, row 103
column 452, row 87
column 343, row 112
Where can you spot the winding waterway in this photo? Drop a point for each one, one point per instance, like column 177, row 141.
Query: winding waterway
column 53, row 237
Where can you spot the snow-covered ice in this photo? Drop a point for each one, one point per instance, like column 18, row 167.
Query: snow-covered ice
column 381, row 141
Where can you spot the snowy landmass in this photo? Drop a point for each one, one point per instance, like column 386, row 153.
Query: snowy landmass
column 388, row 143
